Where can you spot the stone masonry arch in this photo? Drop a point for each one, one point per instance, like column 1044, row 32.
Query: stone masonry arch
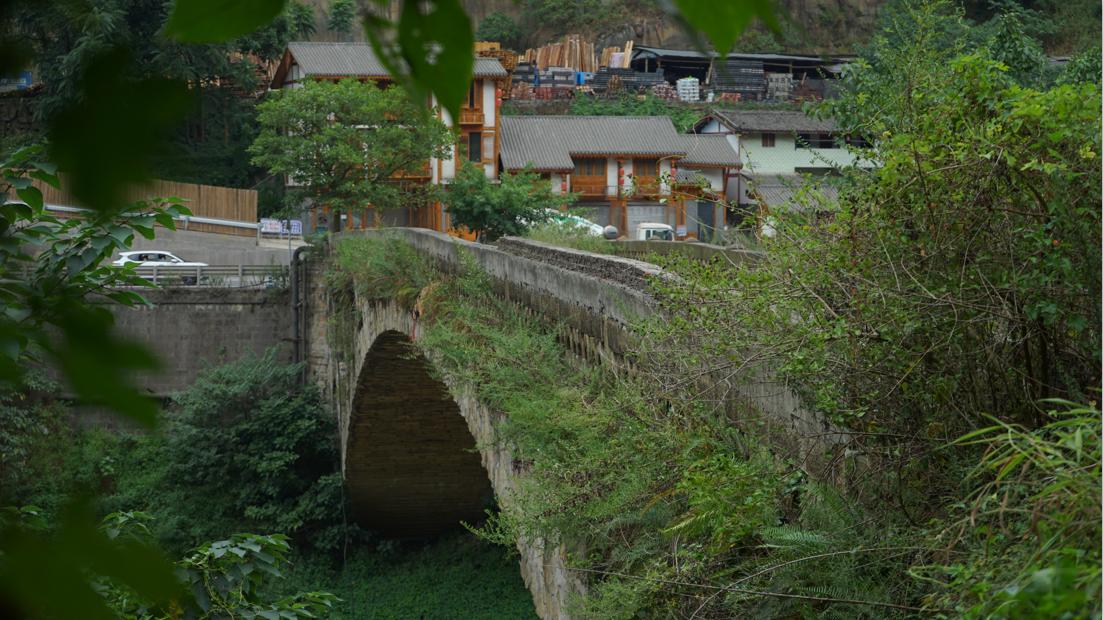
column 366, row 387
column 411, row 465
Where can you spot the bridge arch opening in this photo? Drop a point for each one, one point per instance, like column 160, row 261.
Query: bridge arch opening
column 411, row 464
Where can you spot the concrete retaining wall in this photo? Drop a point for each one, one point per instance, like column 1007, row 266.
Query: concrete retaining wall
column 195, row 328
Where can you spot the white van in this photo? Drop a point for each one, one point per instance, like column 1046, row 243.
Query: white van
column 653, row 231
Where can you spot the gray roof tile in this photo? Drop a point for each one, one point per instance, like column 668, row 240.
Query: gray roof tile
column 709, row 150
column 548, row 142
column 782, row 191
column 358, row 60
column 774, row 121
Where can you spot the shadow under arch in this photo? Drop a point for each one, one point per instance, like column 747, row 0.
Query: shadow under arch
column 411, row 467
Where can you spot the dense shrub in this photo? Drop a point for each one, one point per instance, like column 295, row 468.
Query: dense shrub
column 245, row 448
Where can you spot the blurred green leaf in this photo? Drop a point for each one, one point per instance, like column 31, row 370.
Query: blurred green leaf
column 106, row 140
column 99, row 365
column 430, row 50
column 52, row 576
column 215, row 21
column 723, row 21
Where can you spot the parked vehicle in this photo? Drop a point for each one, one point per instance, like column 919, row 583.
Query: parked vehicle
column 581, row 223
column 653, row 231
column 153, row 258
column 159, row 258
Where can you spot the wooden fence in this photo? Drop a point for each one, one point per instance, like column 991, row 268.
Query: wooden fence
column 224, row 203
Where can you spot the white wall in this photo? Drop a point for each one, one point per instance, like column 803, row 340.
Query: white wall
column 784, row 157
column 489, row 88
column 715, row 176
column 611, row 175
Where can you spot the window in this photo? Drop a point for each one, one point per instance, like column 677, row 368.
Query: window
column 473, row 95
column 645, row 167
column 768, row 139
column 815, row 141
column 590, row 167
column 858, row 142
column 475, row 146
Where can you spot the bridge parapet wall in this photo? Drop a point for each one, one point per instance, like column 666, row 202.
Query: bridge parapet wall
column 597, row 299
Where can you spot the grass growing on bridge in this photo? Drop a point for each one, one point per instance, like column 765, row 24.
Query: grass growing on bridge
column 671, row 512
column 666, row 498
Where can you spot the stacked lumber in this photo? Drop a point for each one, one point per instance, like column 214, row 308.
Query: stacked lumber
column 607, row 55
column 487, row 46
column 571, row 53
column 622, row 60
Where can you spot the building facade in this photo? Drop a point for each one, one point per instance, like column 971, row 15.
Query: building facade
column 782, row 151
column 478, row 125
column 626, row 170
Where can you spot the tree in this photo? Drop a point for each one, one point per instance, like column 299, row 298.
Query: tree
column 499, row 27
column 346, row 141
column 247, row 447
column 218, row 121
column 342, row 14
column 498, row 209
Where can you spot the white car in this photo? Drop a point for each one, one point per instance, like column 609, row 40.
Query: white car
column 153, row 258
column 581, row 223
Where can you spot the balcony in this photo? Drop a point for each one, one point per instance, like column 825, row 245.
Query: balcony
column 591, row 187
column 643, row 186
column 471, row 117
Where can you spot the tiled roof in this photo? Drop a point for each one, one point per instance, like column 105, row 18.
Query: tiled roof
column 709, row 150
column 358, row 60
column 548, row 142
column 781, row 191
column 773, row 121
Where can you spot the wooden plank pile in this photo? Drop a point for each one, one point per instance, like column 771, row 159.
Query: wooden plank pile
column 621, row 61
column 572, row 53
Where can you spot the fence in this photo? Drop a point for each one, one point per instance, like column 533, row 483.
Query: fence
column 223, row 276
column 204, row 201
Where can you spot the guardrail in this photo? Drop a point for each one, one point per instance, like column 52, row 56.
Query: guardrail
column 186, row 219
column 218, row 276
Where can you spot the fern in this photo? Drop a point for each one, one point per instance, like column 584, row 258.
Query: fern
column 795, row 539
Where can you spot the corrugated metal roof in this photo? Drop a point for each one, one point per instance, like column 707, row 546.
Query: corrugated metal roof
column 775, row 121
column 709, row 150
column 358, row 60
column 653, row 52
column 547, row 142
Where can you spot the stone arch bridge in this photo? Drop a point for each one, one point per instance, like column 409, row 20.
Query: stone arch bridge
column 419, row 451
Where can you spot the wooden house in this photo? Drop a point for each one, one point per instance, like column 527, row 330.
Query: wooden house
column 479, row 123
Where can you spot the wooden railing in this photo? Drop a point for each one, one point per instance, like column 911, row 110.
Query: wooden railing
column 471, row 117
column 641, row 187
column 590, row 187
